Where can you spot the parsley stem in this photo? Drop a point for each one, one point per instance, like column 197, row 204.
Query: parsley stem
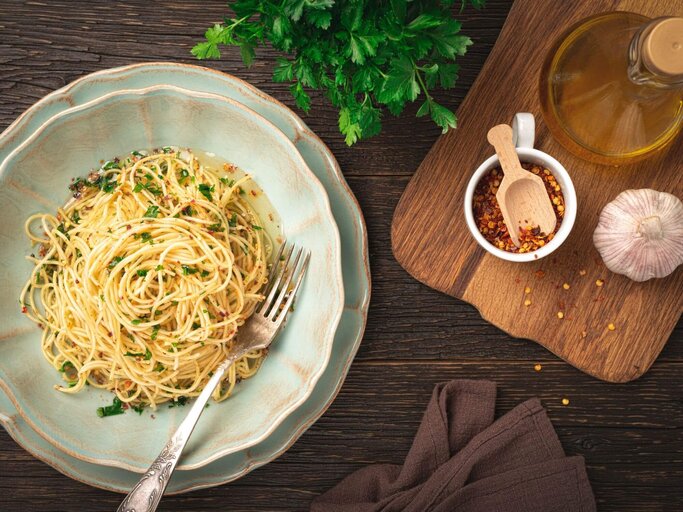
column 421, row 81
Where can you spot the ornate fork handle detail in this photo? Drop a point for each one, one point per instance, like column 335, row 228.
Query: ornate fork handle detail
column 147, row 493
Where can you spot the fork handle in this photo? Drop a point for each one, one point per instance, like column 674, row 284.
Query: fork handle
column 147, row 493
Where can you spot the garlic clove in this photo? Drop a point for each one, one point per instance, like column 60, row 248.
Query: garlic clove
column 640, row 234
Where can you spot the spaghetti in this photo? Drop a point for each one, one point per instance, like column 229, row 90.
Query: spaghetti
column 145, row 276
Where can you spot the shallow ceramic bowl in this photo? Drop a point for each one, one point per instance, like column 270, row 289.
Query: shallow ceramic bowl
column 34, row 177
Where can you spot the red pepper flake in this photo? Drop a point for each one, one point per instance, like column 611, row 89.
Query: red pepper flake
column 490, row 221
column 540, row 274
column 23, row 309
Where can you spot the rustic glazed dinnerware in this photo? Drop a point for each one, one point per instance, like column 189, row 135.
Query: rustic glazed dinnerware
column 354, row 261
column 33, row 178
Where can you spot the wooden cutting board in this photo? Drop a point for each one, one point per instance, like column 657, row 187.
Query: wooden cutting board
column 431, row 241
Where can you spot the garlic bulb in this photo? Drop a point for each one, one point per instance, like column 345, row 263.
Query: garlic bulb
column 640, row 234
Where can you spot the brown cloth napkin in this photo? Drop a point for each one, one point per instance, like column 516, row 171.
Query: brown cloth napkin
column 461, row 460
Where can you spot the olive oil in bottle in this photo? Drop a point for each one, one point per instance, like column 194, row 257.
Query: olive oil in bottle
column 612, row 88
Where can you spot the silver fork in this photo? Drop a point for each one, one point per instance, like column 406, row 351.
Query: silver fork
column 257, row 333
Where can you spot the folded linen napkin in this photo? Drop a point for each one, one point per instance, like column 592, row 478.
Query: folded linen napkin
column 462, row 460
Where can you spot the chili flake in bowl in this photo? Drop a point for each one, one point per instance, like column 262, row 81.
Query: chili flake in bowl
column 489, row 218
column 485, row 220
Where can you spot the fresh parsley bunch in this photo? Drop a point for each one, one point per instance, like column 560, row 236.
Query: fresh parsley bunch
column 364, row 54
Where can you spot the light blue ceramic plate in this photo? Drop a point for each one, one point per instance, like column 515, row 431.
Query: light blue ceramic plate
column 354, row 260
column 32, row 179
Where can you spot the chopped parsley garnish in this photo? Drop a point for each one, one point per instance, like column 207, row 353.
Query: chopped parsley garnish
column 147, row 355
column 76, row 217
column 137, row 153
column 145, row 236
column 188, row 211
column 195, row 325
column 184, row 174
column 152, row 212
column 111, row 410
column 181, row 400
column 206, row 190
column 155, row 332
column 142, row 273
column 227, row 181
column 62, row 229
column 159, row 267
column 204, row 273
column 159, row 367
column 138, row 408
column 166, row 149
column 115, row 261
column 70, row 371
column 108, row 183
column 188, row 270
column 136, row 321
column 215, row 227
column 149, row 186
column 233, row 220
column 111, row 164
column 257, row 228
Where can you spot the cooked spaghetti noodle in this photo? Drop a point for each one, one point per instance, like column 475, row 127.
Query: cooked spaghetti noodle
column 144, row 277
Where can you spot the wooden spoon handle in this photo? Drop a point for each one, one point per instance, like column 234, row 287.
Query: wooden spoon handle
column 500, row 137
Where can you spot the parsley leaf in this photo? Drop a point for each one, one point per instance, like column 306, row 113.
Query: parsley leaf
column 363, row 56
column 206, row 190
column 152, row 212
column 115, row 261
column 188, row 270
column 111, row 410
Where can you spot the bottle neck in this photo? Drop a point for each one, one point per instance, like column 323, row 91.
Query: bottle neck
column 641, row 69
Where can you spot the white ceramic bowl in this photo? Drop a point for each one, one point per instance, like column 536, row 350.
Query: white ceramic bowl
column 523, row 135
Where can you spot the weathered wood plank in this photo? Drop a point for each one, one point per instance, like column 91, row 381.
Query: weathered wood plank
column 631, row 435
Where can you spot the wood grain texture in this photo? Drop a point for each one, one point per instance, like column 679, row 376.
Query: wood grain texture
column 431, row 239
column 631, row 435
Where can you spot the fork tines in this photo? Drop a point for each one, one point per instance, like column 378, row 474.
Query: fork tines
column 286, row 276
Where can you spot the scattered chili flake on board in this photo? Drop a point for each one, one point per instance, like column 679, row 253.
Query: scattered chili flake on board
column 539, row 273
column 489, row 218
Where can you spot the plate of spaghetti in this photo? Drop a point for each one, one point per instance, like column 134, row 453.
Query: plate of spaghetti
column 149, row 220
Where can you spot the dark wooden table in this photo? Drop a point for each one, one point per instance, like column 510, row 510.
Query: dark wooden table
column 631, row 435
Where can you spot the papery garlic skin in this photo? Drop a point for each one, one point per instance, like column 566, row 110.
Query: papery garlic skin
column 640, row 234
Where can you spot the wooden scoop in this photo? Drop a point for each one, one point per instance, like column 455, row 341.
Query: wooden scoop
column 521, row 195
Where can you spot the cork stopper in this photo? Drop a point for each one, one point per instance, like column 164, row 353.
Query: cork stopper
column 662, row 49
